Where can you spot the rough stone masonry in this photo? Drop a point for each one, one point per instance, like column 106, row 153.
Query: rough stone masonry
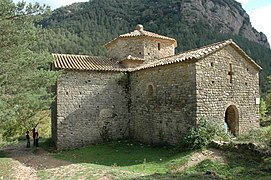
column 143, row 91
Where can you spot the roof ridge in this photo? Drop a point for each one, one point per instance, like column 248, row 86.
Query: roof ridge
column 209, row 45
column 79, row 55
column 139, row 31
column 228, row 41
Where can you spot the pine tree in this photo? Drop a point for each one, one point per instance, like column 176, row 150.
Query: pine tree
column 25, row 76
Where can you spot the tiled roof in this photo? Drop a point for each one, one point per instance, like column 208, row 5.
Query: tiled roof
column 196, row 54
column 129, row 57
column 92, row 63
column 139, row 31
column 82, row 62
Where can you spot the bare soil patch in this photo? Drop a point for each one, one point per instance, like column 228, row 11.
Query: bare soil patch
column 212, row 154
column 28, row 160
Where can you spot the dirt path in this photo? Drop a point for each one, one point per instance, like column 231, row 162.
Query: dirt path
column 29, row 160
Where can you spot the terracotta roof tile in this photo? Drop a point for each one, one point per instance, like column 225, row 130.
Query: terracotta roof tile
column 145, row 33
column 130, row 57
column 195, row 54
column 139, row 31
column 80, row 62
column 94, row 63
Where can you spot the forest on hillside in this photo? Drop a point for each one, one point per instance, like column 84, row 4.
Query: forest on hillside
column 83, row 28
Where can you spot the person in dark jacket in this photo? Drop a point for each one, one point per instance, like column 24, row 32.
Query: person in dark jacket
column 37, row 139
column 27, row 139
column 33, row 135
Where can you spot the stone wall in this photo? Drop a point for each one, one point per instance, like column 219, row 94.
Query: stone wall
column 156, row 105
column 151, row 51
column 141, row 47
column 91, row 107
column 163, row 103
column 216, row 91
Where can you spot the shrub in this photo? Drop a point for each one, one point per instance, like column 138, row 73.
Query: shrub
column 258, row 135
column 202, row 135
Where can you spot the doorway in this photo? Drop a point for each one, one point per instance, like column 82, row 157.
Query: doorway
column 231, row 120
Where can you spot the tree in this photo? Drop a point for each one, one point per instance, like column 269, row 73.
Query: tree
column 263, row 110
column 25, row 76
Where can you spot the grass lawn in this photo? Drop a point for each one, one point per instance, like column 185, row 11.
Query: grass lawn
column 124, row 155
column 6, row 165
column 126, row 160
column 237, row 166
column 130, row 160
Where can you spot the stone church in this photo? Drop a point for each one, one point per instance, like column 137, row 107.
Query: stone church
column 144, row 91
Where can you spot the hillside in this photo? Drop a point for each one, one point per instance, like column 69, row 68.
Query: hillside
column 83, row 28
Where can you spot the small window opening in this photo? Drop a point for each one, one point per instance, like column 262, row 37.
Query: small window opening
column 139, row 52
column 246, row 83
column 79, row 106
column 150, row 92
column 213, row 82
column 159, row 46
column 231, row 73
column 67, row 93
column 212, row 64
column 148, row 53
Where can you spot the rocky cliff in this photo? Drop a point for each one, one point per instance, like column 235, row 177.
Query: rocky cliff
column 227, row 16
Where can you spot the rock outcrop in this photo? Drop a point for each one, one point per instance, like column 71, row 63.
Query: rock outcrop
column 227, row 16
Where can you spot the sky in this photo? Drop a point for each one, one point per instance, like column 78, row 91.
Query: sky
column 259, row 11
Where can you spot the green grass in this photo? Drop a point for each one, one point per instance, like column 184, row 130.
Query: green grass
column 126, row 160
column 260, row 136
column 5, row 167
column 237, row 166
column 129, row 156
column 130, row 160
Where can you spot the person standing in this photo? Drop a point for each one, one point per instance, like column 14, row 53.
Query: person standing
column 27, row 139
column 37, row 139
column 34, row 134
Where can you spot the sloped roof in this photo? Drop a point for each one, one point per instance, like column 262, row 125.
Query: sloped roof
column 197, row 54
column 139, row 31
column 94, row 63
column 83, row 62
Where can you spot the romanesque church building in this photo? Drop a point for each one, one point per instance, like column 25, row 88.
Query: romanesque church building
column 144, row 91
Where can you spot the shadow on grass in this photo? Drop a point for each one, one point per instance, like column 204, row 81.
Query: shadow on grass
column 178, row 176
column 236, row 166
column 35, row 157
column 2, row 154
column 121, row 153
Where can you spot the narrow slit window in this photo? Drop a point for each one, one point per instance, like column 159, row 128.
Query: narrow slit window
column 230, row 73
column 150, row 92
column 159, row 46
